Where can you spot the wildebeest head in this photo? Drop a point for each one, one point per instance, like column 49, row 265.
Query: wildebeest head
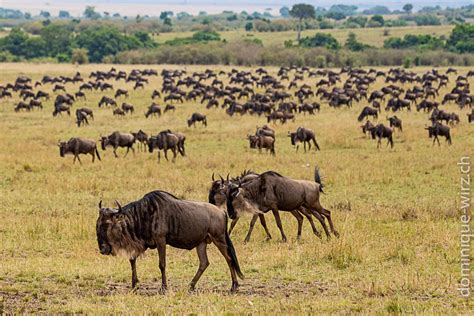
column 151, row 143
column 217, row 192
column 252, row 140
column 292, row 136
column 190, row 122
column 239, row 200
column 62, row 148
column 104, row 141
column 106, row 227
column 430, row 130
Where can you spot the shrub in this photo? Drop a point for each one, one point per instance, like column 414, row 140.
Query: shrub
column 321, row 40
column 80, row 56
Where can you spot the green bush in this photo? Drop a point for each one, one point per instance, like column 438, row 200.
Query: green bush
column 80, row 56
column 321, row 40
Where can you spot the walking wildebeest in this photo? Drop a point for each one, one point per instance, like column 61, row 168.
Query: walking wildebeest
column 218, row 197
column 439, row 129
column 395, row 122
column 368, row 111
column 197, row 117
column 117, row 139
column 303, row 135
column 77, row 146
column 381, row 131
column 159, row 219
column 163, row 141
column 271, row 191
column 142, row 139
column 81, row 118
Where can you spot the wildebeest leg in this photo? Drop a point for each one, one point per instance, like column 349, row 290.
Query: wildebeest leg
column 126, row 153
column 93, row 156
column 437, row 139
column 203, row 263
column 326, row 213
column 221, row 244
column 174, row 153
column 252, row 224
column 264, row 224
column 159, row 156
column 278, row 222
column 115, row 152
column 379, row 142
column 134, row 272
column 79, row 159
column 310, row 219
column 232, row 224
column 166, row 154
column 162, row 264
column 133, row 150
column 299, row 218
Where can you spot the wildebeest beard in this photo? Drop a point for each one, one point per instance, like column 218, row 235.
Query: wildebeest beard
column 117, row 236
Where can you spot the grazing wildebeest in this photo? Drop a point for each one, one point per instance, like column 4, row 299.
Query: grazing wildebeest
column 77, row 146
column 118, row 112
column 197, row 117
column 155, row 94
column 303, row 135
column 121, row 92
column 22, row 106
column 438, row 129
column 260, row 142
column 381, row 131
column 81, row 118
column 107, row 101
column 153, row 109
column 169, row 107
column 368, row 111
column 366, row 128
column 117, row 139
column 36, row 104
column 395, row 122
column 271, row 191
column 59, row 108
column 142, row 139
column 126, row 107
column 87, row 111
column 160, row 219
column 163, row 141
column 80, row 94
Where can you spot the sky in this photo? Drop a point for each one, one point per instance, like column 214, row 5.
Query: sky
column 154, row 7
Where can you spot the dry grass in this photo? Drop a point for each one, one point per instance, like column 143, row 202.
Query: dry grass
column 395, row 209
column 371, row 36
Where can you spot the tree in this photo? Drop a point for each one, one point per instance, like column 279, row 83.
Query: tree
column 167, row 21
column 90, row 13
column 462, row 39
column 58, row 38
column 64, row 15
column 352, row 43
column 302, row 11
column 407, row 8
column 28, row 15
column 378, row 19
column 248, row 26
column 45, row 14
column 80, row 56
column 321, row 40
column 285, row 12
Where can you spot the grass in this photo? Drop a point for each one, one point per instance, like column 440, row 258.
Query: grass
column 396, row 210
column 371, row 36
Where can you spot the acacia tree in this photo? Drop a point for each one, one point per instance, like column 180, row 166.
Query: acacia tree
column 302, row 11
column 407, row 8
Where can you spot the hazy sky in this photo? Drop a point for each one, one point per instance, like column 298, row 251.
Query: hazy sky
column 154, row 7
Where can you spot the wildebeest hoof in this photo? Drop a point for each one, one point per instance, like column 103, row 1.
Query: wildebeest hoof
column 336, row 234
column 234, row 288
column 163, row 290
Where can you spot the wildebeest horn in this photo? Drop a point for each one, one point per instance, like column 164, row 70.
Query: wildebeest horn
column 222, row 179
column 228, row 177
column 118, row 205
column 213, row 177
column 100, row 204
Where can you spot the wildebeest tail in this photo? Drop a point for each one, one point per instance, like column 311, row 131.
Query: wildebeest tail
column 318, row 179
column 97, row 153
column 231, row 251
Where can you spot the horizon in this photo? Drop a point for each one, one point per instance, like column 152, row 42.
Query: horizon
column 153, row 7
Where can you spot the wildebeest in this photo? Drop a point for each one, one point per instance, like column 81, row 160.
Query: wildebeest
column 265, row 130
column 260, row 142
column 153, row 109
column 272, row 191
column 118, row 112
column 197, row 117
column 87, row 111
column 368, row 111
column 142, row 138
column 81, row 118
column 395, row 122
column 163, row 141
column 367, row 127
column 169, row 107
column 303, row 135
column 59, row 108
column 107, row 101
column 77, row 146
column 126, row 107
column 121, row 92
column 438, row 129
column 22, row 106
column 118, row 139
column 381, row 131
column 160, row 219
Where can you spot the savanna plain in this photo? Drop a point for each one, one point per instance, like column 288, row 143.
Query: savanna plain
column 397, row 210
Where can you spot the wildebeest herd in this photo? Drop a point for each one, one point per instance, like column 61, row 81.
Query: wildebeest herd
column 253, row 93
column 160, row 219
